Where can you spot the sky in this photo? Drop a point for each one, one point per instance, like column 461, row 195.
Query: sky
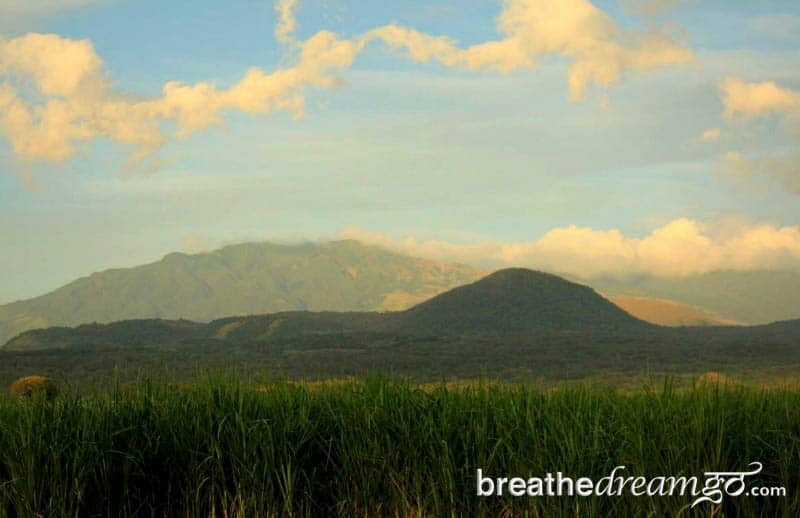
column 597, row 138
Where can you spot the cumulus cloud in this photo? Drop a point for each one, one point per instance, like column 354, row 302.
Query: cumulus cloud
column 77, row 104
column 599, row 50
column 681, row 247
column 81, row 106
column 748, row 100
column 754, row 99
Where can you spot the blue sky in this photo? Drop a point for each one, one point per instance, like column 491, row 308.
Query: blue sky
column 423, row 150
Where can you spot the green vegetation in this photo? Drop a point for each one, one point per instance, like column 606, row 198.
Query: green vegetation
column 513, row 301
column 259, row 278
column 512, row 325
column 382, row 448
column 245, row 279
column 107, row 446
column 505, row 303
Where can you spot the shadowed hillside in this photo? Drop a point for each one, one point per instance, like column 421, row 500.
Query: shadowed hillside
column 507, row 302
column 517, row 300
column 251, row 278
column 265, row 278
column 126, row 333
column 513, row 324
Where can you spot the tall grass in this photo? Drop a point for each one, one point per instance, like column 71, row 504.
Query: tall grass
column 383, row 448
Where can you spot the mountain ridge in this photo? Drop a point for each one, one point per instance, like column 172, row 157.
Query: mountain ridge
column 347, row 275
column 507, row 302
column 462, row 344
column 248, row 278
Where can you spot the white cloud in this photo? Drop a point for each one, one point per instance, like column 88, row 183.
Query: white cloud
column 749, row 100
column 746, row 99
column 78, row 104
column 681, row 247
column 599, row 50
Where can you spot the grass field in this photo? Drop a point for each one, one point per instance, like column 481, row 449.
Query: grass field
column 383, row 448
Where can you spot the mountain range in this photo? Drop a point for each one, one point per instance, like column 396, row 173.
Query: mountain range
column 511, row 324
column 515, row 301
column 260, row 278
column 243, row 279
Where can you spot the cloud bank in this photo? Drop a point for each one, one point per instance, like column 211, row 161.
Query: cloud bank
column 75, row 103
column 679, row 248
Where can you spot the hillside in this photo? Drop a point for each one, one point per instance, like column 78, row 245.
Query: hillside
column 513, row 324
column 667, row 313
column 251, row 278
column 505, row 303
column 262, row 278
column 125, row 333
column 748, row 297
column 516, row 300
